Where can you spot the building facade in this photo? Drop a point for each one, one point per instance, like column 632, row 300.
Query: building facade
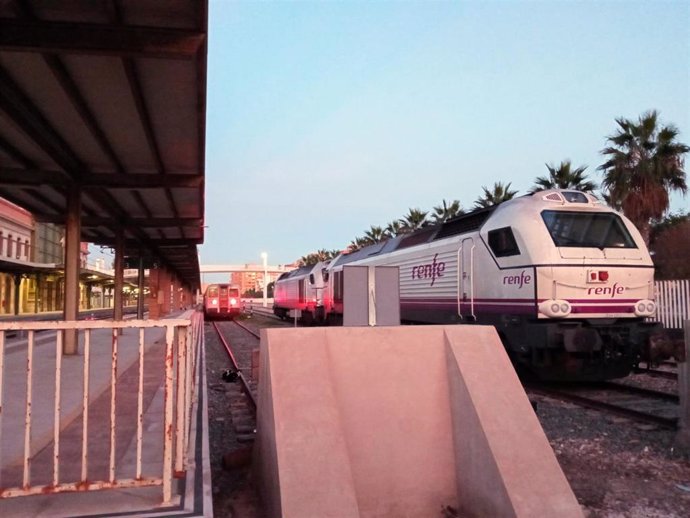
column 32, row 267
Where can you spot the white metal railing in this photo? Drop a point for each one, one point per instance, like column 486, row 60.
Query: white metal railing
column 673, row 302
column 31, row 418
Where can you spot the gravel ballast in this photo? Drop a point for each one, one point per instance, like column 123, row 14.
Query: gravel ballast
column 617, row 468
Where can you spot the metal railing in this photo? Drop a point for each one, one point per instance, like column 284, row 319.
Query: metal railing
column 44, row 394
column 673, row 302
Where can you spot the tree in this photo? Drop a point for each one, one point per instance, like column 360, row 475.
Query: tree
column 671, row 249
column 375, row 234
column 356, row 244
column 413, row 220
column 393, row 228
column 445, row 212
column 498, row 194
column 564, row 177
column 317, row 257
column 667, row 222
column 644, row 164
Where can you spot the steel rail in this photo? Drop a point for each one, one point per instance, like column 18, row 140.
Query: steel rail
column 657, row 373
column 243, row 380
column 666, row 422
column 253, row 333
column 609, row 385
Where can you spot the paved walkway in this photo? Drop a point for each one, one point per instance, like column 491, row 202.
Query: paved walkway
column 121, row 502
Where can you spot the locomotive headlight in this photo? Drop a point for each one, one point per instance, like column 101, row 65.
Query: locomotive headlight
column 645, row 308
column 214, row 301
column 555, row 308
column 233, row 302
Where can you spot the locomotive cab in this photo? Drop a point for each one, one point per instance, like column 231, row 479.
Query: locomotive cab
column 592, row 282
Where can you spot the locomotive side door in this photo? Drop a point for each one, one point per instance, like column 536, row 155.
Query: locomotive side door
column 465, row 281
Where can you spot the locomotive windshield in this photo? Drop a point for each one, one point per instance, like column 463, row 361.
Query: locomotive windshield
column 587, row 229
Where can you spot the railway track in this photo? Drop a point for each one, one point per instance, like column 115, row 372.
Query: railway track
column 240, row 363
column 657, row 373
column 640, row 404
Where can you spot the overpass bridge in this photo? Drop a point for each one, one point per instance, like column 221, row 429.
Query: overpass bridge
column 247, row 268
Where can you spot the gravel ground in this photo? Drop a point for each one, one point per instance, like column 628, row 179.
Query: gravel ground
column 616, row 468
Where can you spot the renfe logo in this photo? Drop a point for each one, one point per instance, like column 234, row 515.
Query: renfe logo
column 429, row 271
column 519, row 280
column 607, row 290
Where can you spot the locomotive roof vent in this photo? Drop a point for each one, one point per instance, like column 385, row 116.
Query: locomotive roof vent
column 554, row 196
column 569, row 197
column 575, row 197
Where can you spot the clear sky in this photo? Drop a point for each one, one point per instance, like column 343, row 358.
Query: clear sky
column 325, row 118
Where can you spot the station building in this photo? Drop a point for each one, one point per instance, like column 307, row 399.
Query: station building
column 32, row 268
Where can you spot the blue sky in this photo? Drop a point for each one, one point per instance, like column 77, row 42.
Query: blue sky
column 325, row 118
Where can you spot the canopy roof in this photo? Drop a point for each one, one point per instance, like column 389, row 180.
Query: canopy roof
column 108, row 99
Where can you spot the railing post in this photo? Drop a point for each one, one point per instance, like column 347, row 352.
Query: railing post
column 168, row 420
column 180, row 400
column 682, row 441
column 2, row 381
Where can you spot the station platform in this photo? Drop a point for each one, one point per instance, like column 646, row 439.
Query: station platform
column 191, row 490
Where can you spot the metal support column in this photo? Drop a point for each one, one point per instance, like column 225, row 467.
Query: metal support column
column 37, row 294
column 72, row 266
column 17, row 278
column 119, row 273
column 140, row 284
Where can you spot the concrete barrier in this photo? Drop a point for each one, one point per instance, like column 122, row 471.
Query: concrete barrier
column 399, row 422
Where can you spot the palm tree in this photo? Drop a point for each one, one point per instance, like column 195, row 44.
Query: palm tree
column 445, row 212
column 413, row 220
column 393, row 228
column 308, row 260
column 317, row 257
column 375, row 234
column 645, row 163
column 564, row 177
column 357, row 243
column 498, row 194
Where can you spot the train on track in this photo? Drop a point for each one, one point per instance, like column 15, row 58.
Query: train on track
column 302, row 289
column 221, row 301
column 567, row 282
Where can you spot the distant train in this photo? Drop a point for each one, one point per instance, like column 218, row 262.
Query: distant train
column 221, row 301
column 302, row 290
column 566, row 281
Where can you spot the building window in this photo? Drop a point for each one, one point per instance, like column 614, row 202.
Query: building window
column 26, row 250
column 9, row 245
column 19, row 247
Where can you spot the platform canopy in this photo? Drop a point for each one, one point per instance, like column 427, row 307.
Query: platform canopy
column 108, row 99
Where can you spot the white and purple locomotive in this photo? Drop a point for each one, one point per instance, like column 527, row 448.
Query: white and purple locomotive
column 301, row 290
column 567, row 282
